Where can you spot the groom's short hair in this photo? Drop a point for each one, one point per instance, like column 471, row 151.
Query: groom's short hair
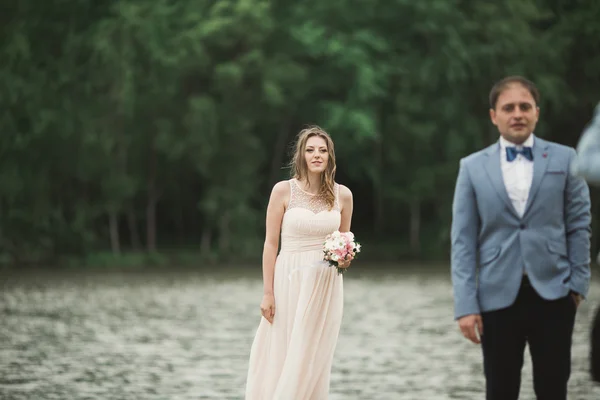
column 501, row 85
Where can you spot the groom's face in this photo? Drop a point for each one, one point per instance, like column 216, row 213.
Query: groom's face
column 516, row 113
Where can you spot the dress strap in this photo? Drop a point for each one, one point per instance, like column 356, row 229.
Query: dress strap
column 292, row 190
column 337, row 196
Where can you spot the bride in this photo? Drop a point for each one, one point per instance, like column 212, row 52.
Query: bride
column 292, row 352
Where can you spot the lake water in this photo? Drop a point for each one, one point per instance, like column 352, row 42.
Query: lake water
column 187, row 334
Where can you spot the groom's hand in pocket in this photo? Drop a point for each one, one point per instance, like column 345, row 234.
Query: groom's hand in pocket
column 471, row 327
column 576, row 298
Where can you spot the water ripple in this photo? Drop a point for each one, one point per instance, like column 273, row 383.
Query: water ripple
column 187, row 335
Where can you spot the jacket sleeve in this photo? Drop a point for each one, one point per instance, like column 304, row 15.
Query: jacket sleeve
column 464, row 232
column 578, row 219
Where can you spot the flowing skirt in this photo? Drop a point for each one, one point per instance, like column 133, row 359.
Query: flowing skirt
column 291, row 359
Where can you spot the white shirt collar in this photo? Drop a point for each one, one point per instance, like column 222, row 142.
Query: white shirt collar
column 528, row 143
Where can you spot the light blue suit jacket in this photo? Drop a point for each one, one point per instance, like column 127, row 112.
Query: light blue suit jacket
column 492, row 245
column 587, row 164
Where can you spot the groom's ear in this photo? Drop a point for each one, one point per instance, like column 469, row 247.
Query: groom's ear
column 493, row 116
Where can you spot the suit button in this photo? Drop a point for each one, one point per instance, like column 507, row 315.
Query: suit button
column 522, row 226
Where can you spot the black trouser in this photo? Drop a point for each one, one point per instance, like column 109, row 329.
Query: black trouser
column 595, row 348
column 547, row 327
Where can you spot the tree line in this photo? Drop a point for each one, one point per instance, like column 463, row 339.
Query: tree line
column 147, row 127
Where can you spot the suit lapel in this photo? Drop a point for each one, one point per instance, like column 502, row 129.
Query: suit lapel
column 494, row 171
column 541, row 156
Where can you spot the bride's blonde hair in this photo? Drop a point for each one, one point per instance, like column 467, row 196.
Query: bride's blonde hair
column 299, row 168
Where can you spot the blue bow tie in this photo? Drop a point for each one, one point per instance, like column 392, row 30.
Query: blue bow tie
column 511, row 153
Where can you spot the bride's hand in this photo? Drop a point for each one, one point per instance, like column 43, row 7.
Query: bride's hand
column 267, row 307
column 345, row 263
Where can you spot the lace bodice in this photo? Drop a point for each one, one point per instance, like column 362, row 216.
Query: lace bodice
column 301, row 198
column 308, row 220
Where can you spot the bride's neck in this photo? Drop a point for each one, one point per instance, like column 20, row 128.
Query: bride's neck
column 312, row 183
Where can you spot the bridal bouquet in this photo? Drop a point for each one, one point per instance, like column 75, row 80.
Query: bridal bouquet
column 340, row 247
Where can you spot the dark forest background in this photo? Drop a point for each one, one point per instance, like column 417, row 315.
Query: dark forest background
column 137, row 132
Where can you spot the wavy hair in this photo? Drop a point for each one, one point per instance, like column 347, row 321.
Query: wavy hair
column 502, row 85
column 299, row 168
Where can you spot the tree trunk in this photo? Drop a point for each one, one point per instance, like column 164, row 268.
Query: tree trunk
column 134, row 234
column 279, row 153
column 205, row 241
column 378, row 188
column 151, row 222
column 13, row 252
column 113, row 226
column 180, row 222
column 415, row 226
column 151, row 206
column 224, row 234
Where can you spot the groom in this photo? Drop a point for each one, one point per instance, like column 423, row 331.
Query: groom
column 520, row 248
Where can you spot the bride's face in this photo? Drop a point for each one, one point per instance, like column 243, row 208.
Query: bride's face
column 316, row 154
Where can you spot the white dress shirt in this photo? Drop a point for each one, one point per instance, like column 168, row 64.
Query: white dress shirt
column 517, row 174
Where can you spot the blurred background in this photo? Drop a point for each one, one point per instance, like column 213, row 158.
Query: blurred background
column 140, row 142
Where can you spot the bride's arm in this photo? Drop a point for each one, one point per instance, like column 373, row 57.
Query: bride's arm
column 347, row 206
column 277, row 204
column 275, row 210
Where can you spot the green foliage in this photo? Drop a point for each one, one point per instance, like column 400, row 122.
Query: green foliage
column 117, row 114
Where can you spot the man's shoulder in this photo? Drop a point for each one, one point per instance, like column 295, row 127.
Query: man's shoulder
column 478, row 156
column 556, row 147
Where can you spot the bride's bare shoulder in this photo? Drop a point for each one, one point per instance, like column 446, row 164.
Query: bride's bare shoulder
column 345, row 192
column 281, row 191
column 281, row 187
